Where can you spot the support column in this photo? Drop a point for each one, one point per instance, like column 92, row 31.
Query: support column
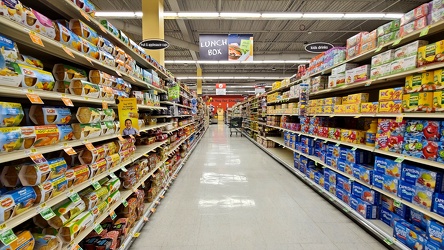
column 153, row 26
column 199, row 81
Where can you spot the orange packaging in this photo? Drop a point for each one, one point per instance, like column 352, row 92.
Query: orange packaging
column 390, row 107
column 38, row 136
column 369, row 107
column 357, row 98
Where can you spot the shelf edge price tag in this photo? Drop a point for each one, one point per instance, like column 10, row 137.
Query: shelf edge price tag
column 124, row 169
column 378, row 49
column 8, row 237
column 105, row 105
column 113, row 175
column 399, row 159
column 34, row 98
column 74, row 197
column 103, row 29
column 36, row 39
column 118, row 73
column 399, row 119
column 112, row 214
column 368, row 84
column 70, row 151
column 397, row 203
column 354, row 148
column 38, row 158
column 120, row 138
column 153, row 210
column 337, row 144
column 136, row 235
column 145, row 218
column 68, row 51
column 47, row 213
column 67, row 102
column 125, row 203
column 424, row 31
column 89, row 146
column 396, row 42
column 83, row 13
column 98, row 228
column 388, row 241
column 88, row 59
column 96, row 185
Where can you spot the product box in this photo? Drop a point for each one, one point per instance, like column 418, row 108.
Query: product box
column 388, row 27
column 438, row 78
column 392, row 94
column 423, row 129
column 389, row 217
column 402, row 210
column 435, row 232
column 418, row 102
column 353, row 51
column 343, row 195
column 331, row 81
column 378, row 180
column 339, row 109
column 331, row 188
column 421, row 148
column 363, row 173
column 379, row 71
column 408, row 50
column 383, row 58
column 366, row 194
column 330, row 176
column 340, row 79
column 438, row 101
column 344, row 183
column 366, row 210
column 406, row 191
column 353, row 108
column 431, row 53
column 354, row 40
column 358, row 74
column 387, row 166
column 438, row 204
column 382, row 40
column 342, row 68
column 369, row 107
column 403, row 64
column 413, row 83
column 341, row 165
column 333, row 101
column 411, row 236
column 419, row 219
column 366, row 47
column 428, row 81
column 390, row 184
column 422, row 177
column 390, row 107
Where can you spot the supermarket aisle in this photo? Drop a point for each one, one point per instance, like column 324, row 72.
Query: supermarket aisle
column 231, row 195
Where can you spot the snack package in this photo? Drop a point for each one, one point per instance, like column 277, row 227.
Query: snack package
column 16, row 202
column 36, row 78
column 43, row 191
column 107, row 115
column 101, row 78
column 69, row 231
column 110, row 27
column 81, row 174
column 86, row 131
column 113, row 160
column 90, row 49
column 39, row 23
column 87, row 156
column 8, row 48
column 106, row 93
column 65, row 132
column 64, row 72
column 105, row 45
column 38, row 136
column 108, row 128
column 83, row 30
column 65, row 212
column 25, row 241
column 92, row 197
column 84, row 88
column 11, row 114
column 48, row 242
column 32, row 174
column 98, row 167
column 67, row 37
column 9, row 176
column 45, row 115
column 31, row 61
column 60, row 184
column 88, row 115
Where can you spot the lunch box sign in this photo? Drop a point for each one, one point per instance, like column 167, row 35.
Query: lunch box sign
column 226, row 47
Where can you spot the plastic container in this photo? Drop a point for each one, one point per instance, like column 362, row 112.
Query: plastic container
column 370, row 135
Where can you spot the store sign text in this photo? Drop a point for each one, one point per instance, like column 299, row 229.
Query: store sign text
column 318, row 47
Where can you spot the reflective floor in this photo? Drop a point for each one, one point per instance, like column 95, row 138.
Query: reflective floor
column 231, row 195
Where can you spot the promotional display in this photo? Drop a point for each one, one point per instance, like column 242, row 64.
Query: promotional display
column 221, row 89
column 226, row 47
column 128, row 116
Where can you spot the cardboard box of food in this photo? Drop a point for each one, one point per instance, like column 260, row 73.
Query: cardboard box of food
column 418, row 102
column 36, row 78
column 404, row 64
column 67, row 37
column 84, row 88
column 39, row 23
column 391, row 94
column 408, row 50
column 390, row 107
column 369, row 107
column 46, row 115
column 383, row 58
column 431, row 53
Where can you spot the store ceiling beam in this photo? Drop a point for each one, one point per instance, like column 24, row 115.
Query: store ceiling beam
column 277, row 75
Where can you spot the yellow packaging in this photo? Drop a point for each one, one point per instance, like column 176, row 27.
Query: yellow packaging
column 276, row 85
column 339, row 109
column 438, row 78
column 291, row 105
column 427, row 81
column 392, row 94
column 333, row 101
column 413, row 83
column 369, row 107
column 357, row 98
column 344, row 100
column 312, row 103
column 418, row 102
column 352, row 108
column 344, row 134
column 430, row 53
column 390, row 107
column 329, row 109
column 354, row 136
column 438, row 101
column 319, row 110
column 320, row 102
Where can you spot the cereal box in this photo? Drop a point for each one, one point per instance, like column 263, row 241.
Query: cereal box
column 369, row 107
column 357, row 98
column 392, row 94
column 390, row 107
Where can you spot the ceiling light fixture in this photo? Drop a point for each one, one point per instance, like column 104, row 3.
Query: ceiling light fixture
column 228, row 77
column 237, row 62
column 256, row 16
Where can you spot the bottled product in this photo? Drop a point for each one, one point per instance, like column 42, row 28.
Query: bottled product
column 370, row 135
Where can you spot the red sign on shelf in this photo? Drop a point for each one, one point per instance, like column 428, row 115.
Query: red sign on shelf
column 221, row 88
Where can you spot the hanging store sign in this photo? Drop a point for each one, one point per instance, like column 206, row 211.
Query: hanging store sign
column 221, row 89
column 226, row 47
column 154, row 44
column 318, row 47
column 259, row 89
column 128, row 116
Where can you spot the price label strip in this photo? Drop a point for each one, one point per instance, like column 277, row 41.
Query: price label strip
column 399, row 160
column 70, row 151
column 96, row 185
column 34, row 98
column 120, row 138
column 8, row 237
column 36, row 39
column 67, row 102
column 105, row 105
column 68, row 51
column 397, row 203
column 47, row 213
column 397, row 42
column 98, row 228
column 74, row 197
column 83, row 13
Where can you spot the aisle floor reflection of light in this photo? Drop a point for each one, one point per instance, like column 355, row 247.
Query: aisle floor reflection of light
column 229, row 202
column 222, row 179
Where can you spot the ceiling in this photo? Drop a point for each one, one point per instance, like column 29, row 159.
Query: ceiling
column 273, row 39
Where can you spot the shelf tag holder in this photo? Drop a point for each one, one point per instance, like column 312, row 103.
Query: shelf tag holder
column 70, row 151
column 396, row 42
column 105, row 105
column 112, row 214
column 145, row 219
column 399, row 119
column 96, row 185
column 36, row 39
column 424, row 31
column 397, row 203
column 112, row 175
column 67, row 101
column 98, row 228
column 368, row 83
column 8, row 237
column 38, row 158
column 83, row 13
column 74, row 197
column 47, row 213
column 89, row 146
column 120, row 138
column 399, row 159
column 378, row 49
column 68, row 51
column 88, row 59
column 34, row 98
column 388, row 241
column 124, row 169
column 125, row 203
column 337, row 144
column 153, row 210
column 354, row 148
column 136, row 235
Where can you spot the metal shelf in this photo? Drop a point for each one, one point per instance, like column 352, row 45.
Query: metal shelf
column 28, row 214
column 20, row 34
column 175, row 104
column 71, row 11
column 172, row 130
column 146, row 107
column 285, row 87
column 160, row 125
column 406, row 115
column 284, row 100
column 178, row 144
column 283, row 114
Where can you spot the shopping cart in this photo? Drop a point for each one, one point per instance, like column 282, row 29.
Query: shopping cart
column 235, row 125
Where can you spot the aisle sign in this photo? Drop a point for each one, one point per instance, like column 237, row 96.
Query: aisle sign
column 221, row 89
column 259, row 89
column 226, row 47
column 128, row 116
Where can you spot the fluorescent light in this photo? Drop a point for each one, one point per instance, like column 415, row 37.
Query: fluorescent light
column 228, row 77
column 364, row 15
column 323, row 15
column 198, row 14
column 118, row 14
column 239, row 14
column 393, row 15
column 281, row 15
column 237, row 62
column 170, row 15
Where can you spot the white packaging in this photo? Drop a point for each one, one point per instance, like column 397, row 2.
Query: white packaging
column 409, row 49
column 342, row 68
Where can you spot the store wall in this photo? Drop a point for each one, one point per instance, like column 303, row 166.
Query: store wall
column 222, row 101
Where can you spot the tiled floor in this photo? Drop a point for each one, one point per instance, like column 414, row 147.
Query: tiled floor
column 231, row 195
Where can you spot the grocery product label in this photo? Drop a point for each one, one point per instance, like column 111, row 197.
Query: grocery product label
column 424, row 31
column 399, row 160
column 47, row 213
column 397, row 42
column 38, row 158
column 70, row 151
column 125, row 203
column 136, row 235
column 8, row 237
column 112, row 175
column 113, row 215
column 36, row 39
column 67, row 102
column 124, row 169
column 74, row 197
column 34, row 98
column 96, row 185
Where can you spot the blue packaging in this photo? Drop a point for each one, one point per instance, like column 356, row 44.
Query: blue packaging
column 419, row 219
column 383, row 163
column 331, row 188
column 378, row 180
column 411, row 236
column 365, row 193
column 423, row 197
column 344, row 183
column 431, row 245
column 330, row 176
column 330, row 148
column 390, row 184
column 319, row 178
column 341, row 165
column 406, row 191
column 388, row 203
column 343, row 195
column 343, row 153
column 438, row 204
column 334, row 162
column 349, row 168
column 363, row 173
column 422, row 177
column 358, row 156
column 421, row 149
column 389, row 217
column 365, row 209
column 328, row 159
column 423, row 130
column 336, row 151
column 435, row 232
